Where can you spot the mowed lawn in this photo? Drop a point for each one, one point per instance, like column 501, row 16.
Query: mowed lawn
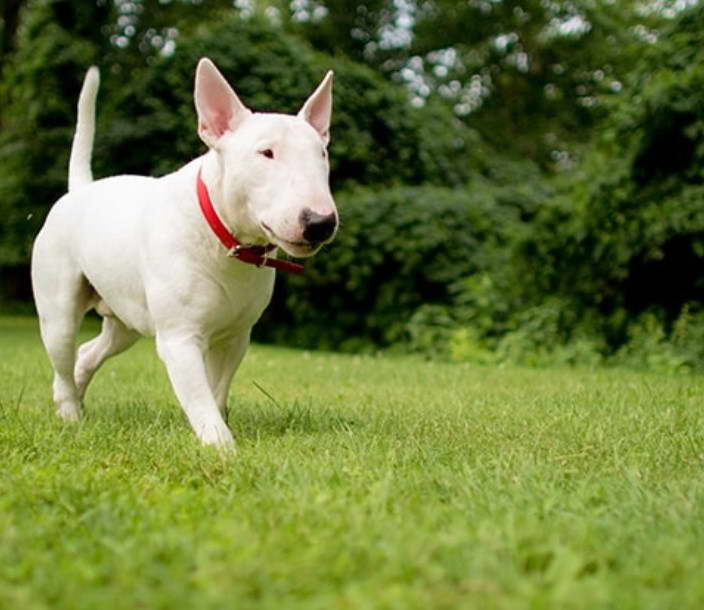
column 359, row 482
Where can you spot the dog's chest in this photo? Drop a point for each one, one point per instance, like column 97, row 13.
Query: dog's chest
column 234, row 304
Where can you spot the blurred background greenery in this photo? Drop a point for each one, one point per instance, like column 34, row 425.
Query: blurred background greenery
column 518, row 181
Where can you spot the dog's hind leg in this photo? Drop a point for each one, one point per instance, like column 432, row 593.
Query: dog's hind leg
column 62, row 301
column 113, row 339
column 222, row 362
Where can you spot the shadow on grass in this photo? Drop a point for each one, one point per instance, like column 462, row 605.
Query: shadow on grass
column 247, row 420
column 136, row 421
column 255, row 420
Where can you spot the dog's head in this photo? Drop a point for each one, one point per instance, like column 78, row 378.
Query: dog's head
column 272, row 168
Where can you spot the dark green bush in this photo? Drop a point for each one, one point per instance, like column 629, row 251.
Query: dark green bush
column 398, row 250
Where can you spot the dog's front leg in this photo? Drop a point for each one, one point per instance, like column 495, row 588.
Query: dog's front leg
column 185, row 363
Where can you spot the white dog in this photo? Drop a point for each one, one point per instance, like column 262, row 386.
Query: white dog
column 151, row 254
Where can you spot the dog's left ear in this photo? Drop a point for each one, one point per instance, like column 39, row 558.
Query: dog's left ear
column 219, row 109
column 318, row 108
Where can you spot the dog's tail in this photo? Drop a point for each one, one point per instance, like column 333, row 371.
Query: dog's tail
column 79, row 167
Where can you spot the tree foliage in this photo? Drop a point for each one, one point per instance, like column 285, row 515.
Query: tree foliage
column 530, row 75
column 613, row 256
column 635, row 238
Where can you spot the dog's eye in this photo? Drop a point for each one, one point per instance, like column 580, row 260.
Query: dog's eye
column 268, row 153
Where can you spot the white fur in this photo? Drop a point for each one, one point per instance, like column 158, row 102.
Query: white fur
column 139, row 251
column 79, row 172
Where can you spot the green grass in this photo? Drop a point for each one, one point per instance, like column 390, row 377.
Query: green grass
column 366, row 483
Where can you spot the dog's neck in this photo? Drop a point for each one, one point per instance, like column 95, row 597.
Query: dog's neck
column 213, row 175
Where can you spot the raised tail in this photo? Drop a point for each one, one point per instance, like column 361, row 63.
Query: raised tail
column 79, row 167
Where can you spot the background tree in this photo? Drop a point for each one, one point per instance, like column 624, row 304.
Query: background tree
column 636, row 237
column 611, row 263
column 526, row 72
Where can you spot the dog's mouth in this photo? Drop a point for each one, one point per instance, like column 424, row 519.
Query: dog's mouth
column 298, row 249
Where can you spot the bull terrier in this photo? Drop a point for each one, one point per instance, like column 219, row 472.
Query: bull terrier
column 188, row 258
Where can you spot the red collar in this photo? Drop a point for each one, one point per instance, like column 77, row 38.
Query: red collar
column 253, row 255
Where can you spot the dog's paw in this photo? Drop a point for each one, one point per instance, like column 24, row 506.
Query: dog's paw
column 217, row 435
column 69, row 411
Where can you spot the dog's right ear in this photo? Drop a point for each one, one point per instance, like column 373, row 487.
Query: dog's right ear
column 219, row 109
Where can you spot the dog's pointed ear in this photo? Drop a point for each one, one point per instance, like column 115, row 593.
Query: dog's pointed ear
column 219, row 109
column 318, row 108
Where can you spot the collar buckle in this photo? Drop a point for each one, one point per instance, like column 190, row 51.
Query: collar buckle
column 264, row 258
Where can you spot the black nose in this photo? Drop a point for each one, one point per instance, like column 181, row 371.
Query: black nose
column 317, row 227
